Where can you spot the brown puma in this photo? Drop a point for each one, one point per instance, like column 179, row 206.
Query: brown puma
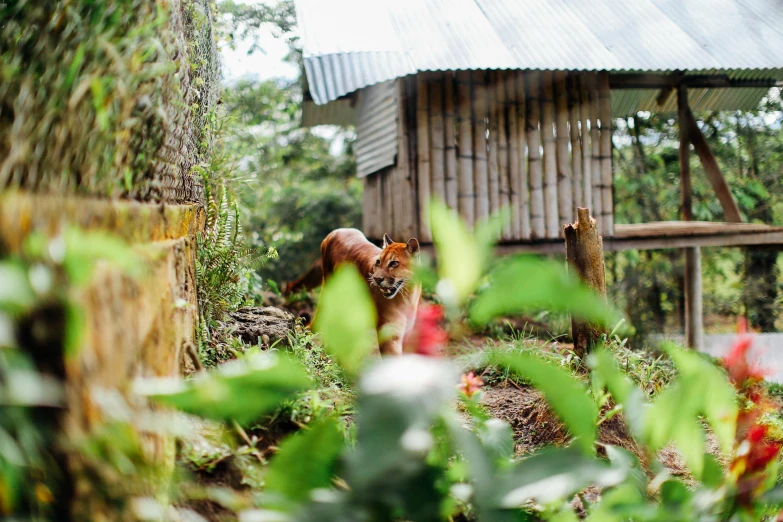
column 388, row 271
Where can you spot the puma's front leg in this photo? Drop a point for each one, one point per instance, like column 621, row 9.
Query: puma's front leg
column 390, row 338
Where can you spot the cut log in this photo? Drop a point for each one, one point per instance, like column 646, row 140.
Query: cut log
column 711, row 168
column 466, row 197
column 585, row 255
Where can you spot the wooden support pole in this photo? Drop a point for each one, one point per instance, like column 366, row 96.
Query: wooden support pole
column 550, row 155
column 532, row 88
column 480, row 173
column 576, row 146
column 565, row 182
column 502, row 132
column 513, row 155
column 423, row 156
column 466, row 198
column 437, row 138
column 711, row 168
column 694, row 328
column 449, row 119
column 523, row 188
column 585, row 254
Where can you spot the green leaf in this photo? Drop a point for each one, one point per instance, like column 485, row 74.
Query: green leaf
column 567, row 396
column 607, row 373
column 16, row 294
column 460, row 256
column 346, row 318
column 306, row 460
column 242, row 390
column 526, row 284
column 555, row 474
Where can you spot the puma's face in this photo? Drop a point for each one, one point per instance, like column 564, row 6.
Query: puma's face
column 394, row 267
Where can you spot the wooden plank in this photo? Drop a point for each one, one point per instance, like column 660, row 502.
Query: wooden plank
column 605, row 114
column 513, row 155
column 523, row 187
column 480, row 173
column 387, row 208
column 587, row 147
column 551, row 217
column 595, row 144
column 565, row 182
column 449, row 121
column 536, row 175
column 711, row 168
column 466, row 197
column 437, row 138
column 368, row 203
column 423, row 155
column 502, row 132
column 576, row 145
column 686, row 200
column 690, row 228
column 404, row 191
column 492, row 115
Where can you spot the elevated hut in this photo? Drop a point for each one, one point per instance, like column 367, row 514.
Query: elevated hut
column 488, row 104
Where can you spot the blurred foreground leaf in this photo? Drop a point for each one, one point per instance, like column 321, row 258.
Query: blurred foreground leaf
column 346, row 317
column 306, row 460
column 242, row 390
column 526, row 283
column 567, row 396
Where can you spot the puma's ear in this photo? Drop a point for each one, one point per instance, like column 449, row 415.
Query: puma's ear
column 413, row 246
column 387, row 240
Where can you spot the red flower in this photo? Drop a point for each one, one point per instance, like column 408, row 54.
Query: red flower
column 426, row 337
column 470, row 384
column 736, row 361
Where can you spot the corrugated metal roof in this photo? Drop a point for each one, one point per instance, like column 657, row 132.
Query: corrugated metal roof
column 376, row 132
column 350, row 44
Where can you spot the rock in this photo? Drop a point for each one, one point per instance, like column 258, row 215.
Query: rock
column 268, row 324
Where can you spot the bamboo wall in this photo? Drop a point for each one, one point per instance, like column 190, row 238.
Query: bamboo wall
column 537, row 143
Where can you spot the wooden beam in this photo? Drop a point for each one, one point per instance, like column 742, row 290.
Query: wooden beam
column 660, row 81
column 711, row 168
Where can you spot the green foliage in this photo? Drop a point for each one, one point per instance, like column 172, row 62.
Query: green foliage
column 262, row 380
column 90, row 93
column 346, row 318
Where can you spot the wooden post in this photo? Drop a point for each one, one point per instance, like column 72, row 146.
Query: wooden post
column 605, row 114
column 437, row 138
column 585, row 254
column 565, row 185
column 466, row 199
column 502, row 132
column 532, row 88
column 513, row 156
column 576, row 147
column 522, row 187
column 451, row 140
column 711, row 168
column 423, row 156
column 694, row 329
column 480, row 176
column 492, row 116
column 587, row 162
column 550, row 155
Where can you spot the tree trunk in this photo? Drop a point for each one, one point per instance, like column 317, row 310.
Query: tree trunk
column 585, row 254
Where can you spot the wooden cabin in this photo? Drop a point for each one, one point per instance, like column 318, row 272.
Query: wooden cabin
column 493, row 104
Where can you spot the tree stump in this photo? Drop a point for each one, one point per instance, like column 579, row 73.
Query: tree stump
column 585, row 254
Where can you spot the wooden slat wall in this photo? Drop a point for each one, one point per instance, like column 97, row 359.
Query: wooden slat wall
column 534, row 145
